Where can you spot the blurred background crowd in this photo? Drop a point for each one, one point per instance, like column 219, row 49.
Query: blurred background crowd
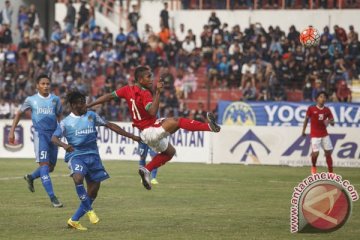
column 261, row 64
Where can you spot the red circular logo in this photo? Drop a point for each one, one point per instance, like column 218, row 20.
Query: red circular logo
column 326, row 206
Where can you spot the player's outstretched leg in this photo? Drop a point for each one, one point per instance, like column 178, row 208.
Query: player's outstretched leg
column 46, row 182
column 171, row 125
column 145, row 177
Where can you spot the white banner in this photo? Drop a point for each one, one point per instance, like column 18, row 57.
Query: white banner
column 282, row 146
column 190, row 146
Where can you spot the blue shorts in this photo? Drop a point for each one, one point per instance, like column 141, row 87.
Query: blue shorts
column 90, row 166
column 143, row 150
column 45, row 150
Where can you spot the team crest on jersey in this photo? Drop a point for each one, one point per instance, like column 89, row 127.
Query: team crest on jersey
column 90, row 118
column 19, row 138
column 53, row 102
column 239, row 113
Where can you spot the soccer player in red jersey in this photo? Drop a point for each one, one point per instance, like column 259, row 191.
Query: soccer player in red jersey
column 143, row 107
column 320, row 116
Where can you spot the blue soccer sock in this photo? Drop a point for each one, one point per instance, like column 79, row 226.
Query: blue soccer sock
column 154, row 173
column 79, row 213
column 84, row 198
column 46, row 180
column 142, row 162
column 36, row 174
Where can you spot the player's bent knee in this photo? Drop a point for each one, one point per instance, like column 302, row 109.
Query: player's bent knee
column 315, row 154
column 78, row 178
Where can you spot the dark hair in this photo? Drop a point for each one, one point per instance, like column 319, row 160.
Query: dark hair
column 73, row 96
column 42, row 76
column 321, row 92
column 139, row 72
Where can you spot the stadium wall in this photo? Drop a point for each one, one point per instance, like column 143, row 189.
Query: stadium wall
column 270, row 145
column 190, row 146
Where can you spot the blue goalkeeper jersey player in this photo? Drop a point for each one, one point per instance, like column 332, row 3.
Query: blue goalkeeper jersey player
column 46, row 111
column 82, row 154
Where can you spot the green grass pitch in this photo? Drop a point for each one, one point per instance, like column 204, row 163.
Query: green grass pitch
column 192, row 201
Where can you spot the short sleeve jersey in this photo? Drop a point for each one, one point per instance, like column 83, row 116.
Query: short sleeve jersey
column 80, row 132
column 44, row 111
column 139, row 101
column 317, row 116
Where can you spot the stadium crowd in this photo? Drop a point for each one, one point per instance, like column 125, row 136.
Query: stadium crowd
column 263, row 63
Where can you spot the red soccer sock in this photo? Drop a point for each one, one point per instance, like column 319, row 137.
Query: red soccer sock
column 329, row 163
column 158, row 161
column 193, row 125
column 313, row 160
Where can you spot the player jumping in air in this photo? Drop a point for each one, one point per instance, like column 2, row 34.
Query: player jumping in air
column 154, row 132
column 46, row 111
column 82, row 154
column 320, row 116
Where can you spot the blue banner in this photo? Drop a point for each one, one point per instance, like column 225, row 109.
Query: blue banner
column 282, row 113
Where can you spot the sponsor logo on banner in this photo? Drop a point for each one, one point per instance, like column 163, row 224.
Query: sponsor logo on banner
column 250, row 152
column 321, row 203
column 239, row 113
column 19, row 138
column 282, row 113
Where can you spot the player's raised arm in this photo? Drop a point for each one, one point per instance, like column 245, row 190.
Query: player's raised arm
column 305, row 124
column 121, row 131
column 154, row 107
column 106, row 98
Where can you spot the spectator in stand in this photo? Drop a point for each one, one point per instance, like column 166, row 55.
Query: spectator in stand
column 146, row 33
column 214, row 22
column 164, row 16
column 181, row 33
column 278, row 92
column 200, row 113
column 84, row 15
column 6, row 14
column 164, row 35
column 343, row 92
column 340, row 35
column 188, row 45
column 249, row 92
column 293, row 34
column 134, row 17
column 318, row 88
column 352, row 34
column 23, row 19
column 33, row 16
column 37, row 34
column 6, row 38
column 70, row 18
column 248, row 73
column 307, row 92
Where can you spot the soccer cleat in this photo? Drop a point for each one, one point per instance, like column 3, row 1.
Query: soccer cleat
column 30, row 182
column 76, row 225
column 145, row 177
column 212, row 122
column 55, row 202
column 313, row 170
column 154, row 181
column 93, row 217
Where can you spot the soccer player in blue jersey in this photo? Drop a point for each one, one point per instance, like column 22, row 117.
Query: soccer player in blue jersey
column 143, row 152
column 82, row 154
column 46, row 111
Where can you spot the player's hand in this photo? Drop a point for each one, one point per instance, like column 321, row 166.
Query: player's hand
column 11, row 138
column 160, row 85
column 303, row 134
column 326, row 122
column 69, row 148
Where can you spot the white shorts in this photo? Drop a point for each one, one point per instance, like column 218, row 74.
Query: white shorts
column 156, row 138
column 324, row 142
